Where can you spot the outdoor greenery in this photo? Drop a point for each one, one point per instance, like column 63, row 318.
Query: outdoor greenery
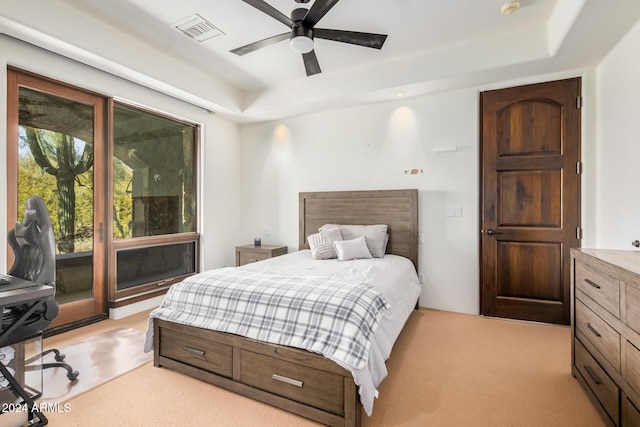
column 61, row 172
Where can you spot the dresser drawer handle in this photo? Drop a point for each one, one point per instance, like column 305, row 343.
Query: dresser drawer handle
column 596, row 379
column 287, row 380
column 592, row 329
column 195, row 351
column 592, row 283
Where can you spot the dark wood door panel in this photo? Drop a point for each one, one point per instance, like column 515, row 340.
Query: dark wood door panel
column 531, row 198
column 530, row 270
column 530, row 147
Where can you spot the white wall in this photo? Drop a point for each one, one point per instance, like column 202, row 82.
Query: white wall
column 219, row 146
column 369, row 147
column 616, row 205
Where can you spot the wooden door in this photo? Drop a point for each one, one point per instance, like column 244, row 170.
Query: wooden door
column 530, row 200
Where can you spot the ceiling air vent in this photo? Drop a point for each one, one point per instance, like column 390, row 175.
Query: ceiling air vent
column 198, row 28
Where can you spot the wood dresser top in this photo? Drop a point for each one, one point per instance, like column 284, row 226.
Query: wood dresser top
column 627, row 259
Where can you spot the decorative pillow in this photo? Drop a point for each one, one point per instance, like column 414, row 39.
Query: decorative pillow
column 352, row 249
column 321, row 244
column 376, row 236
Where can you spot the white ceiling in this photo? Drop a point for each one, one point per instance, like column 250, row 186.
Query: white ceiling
column 431, row 45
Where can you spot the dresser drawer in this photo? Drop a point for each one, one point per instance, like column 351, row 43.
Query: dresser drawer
column 603, row 289
column 632, row 303
column 632, row 371
column 311, row 386
column 597, row 332
column 630, row 414
column 606, row 391
column 249, row 257
column 213, row 357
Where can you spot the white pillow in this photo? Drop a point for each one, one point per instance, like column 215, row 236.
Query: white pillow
column 352, row 249
column 376, row 236
column 321, row 244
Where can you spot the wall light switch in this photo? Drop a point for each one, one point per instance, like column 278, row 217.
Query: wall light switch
column 421, row 278
column 420, row 238
column 453, row 211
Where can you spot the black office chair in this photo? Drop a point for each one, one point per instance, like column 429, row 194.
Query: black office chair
column 33, row 244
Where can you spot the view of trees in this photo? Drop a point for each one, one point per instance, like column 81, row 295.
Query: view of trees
column 59, row 168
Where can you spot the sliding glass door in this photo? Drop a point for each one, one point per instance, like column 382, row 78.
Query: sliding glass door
column 55, row 141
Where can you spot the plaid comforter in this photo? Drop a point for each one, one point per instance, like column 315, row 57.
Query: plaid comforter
column 335, row 318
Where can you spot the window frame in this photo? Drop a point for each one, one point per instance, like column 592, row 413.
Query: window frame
column 118, row 298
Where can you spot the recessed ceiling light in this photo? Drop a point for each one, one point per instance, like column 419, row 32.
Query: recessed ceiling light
column 510, row 7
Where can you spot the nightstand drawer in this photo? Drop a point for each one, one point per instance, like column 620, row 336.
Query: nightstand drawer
column 600, row 383
column 248, row 254
column 249, row 257
column 603, row 289
column 307, row 385
column 596, row 331
column 195, row 351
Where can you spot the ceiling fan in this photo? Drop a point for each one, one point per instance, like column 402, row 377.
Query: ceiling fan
column 303, row 31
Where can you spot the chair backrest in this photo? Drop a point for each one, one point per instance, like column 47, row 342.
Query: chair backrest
column 33, row 244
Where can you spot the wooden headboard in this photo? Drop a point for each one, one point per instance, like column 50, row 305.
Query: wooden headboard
column 396, row 208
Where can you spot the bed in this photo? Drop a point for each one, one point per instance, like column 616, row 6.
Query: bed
column 316, row 386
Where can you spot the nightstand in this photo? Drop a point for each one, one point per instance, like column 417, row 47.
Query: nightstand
column 247, row 254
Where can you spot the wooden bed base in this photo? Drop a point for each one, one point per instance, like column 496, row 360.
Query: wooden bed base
column 295, row 380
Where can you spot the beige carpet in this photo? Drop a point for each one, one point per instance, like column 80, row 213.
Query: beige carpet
column 98, row 359
column 447, row 369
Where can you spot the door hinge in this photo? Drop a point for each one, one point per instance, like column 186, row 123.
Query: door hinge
column 579, row 168
column 579, row 102
column 579, row 233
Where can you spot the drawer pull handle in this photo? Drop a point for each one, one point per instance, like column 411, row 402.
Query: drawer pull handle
column 287, row 380
column 592, row 283
column 592, row 329
column 596, row 379
column 195, row 351
column 252, row 260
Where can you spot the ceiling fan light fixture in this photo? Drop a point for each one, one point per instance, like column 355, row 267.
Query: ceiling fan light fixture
column 301, row 40
column 301, row 44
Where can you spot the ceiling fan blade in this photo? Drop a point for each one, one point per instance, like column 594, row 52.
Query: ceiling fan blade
column 311, row 64
column 243, row 50
column 271, row 11
column 317, row 11
column 371, row 40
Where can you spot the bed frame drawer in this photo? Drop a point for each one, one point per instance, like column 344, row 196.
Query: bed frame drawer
column 214, row 357
column 301, row 383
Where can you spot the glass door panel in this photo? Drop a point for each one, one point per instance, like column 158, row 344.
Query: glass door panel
column 55, row 161
column 57, row 139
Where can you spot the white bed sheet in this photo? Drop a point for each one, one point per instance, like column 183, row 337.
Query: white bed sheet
column 393, row 275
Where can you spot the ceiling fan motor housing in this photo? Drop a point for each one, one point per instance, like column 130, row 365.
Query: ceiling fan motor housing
column 298, row 14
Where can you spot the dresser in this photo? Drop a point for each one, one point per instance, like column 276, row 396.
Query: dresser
column 247, row 254
column 606, row 330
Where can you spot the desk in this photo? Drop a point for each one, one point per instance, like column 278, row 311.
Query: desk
column 22, row 311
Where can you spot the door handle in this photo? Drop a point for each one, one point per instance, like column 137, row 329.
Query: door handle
column 491, row 232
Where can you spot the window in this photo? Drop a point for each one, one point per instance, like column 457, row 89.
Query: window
column 154, row 199
column 120, row 183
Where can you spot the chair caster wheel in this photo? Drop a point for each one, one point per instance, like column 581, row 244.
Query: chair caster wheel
column 60, row 357
column 73, row 375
